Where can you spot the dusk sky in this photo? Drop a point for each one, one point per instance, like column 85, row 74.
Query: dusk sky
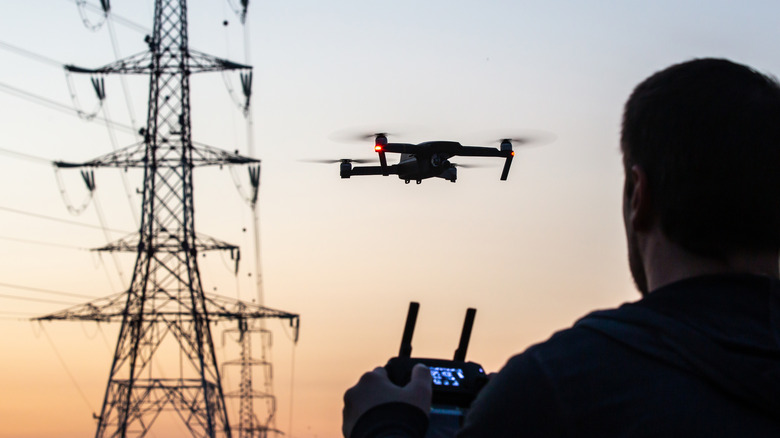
column 532, row 253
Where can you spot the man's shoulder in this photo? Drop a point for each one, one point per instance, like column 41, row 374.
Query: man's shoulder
column 584, row 340
column 548, row 387
column 571, row 352
column 645, row 369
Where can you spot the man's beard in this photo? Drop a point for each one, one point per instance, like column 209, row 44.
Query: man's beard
column 636, row 265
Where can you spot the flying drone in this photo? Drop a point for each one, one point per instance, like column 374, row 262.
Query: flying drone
column 425, row 160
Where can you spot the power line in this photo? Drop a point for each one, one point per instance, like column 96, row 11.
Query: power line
column 67, row 370
column 28, row 157
column 31, row 55
column 7, row 312
column 15, row 316
column 66, row 221
column 48, row 291
column 39, row 242
column 118, row 18
column 59, row 106
column 37, row 300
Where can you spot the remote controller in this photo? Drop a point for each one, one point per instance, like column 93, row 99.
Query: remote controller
column 455, row 382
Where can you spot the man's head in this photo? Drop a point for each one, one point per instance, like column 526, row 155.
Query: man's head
column 706, row 133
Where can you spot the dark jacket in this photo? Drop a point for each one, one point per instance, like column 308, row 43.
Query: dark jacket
column 697, row 358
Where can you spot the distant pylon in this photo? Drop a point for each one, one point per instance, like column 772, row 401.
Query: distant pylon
column 250, row 425
column 165, row 308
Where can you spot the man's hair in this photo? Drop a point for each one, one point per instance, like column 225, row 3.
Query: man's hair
column 707, row 134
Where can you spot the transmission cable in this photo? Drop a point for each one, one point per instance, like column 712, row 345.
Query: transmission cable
column 15, row 316
column 118, row 18
column 114, row 257
column 99, row 87
column 67, row 370
column 122, row 79
column 66, row 221
column 24, row 156
column 69, row 222
column 86, row 115
column 11, row 312
column 94, row 27
column 74, row 98
column 88, row 179
column 40, row 242
column 45, row 59
column 48, row 291
column 37, row 300
column 60, row 106
column 123, row 175
column 31, row 55
column 72, row 209
column 292, row 388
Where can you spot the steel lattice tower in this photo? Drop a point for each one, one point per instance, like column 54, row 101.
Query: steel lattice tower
column 165, row 305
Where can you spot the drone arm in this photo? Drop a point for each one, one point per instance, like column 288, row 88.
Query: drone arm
column 382, row 161
column 382, row 147
column 403, row 148
column 505, row 151
column 507, row 163
column 379, row 147
column 479, row 151
column 374, row 170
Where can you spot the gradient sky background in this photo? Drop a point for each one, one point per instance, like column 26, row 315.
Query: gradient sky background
column 531, row 254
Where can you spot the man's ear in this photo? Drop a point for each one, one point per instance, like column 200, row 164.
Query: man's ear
column 639, row 202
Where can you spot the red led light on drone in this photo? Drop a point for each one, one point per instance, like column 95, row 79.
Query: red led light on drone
column 378, row 148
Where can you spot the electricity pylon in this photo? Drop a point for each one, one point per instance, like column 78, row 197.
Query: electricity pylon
column 250, row 425
column 165, row 308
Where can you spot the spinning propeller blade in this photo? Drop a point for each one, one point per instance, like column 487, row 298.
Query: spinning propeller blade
column 340, row 160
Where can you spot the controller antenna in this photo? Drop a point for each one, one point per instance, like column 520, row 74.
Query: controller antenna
column 411, row 320
column 465, row 335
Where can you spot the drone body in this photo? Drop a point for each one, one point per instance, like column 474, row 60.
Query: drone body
column 425, row 160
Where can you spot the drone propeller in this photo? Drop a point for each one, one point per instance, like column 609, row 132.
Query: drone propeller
column 515, row 140
column 536, row 137
column 340, row 160
column 358, row 136
column 371, row 136
column 469, row 166
column 353, row 134
column 371, row 131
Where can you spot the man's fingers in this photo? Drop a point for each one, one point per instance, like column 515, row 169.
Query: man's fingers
column 376, row 375
column 362, row 397
column 381, row 372
column 421, row 375
column 375, row 388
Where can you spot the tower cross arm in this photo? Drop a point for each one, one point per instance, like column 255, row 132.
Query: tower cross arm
column 107, row 309
column 218, row 308
column 169, row 242
column 222, row 308
column 169, row 155
column 202, row 62
column 204, row 155
column 143, row 63
column 129, row 156
column 140, row 63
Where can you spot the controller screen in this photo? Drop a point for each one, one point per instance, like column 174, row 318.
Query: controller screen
column 445, row 376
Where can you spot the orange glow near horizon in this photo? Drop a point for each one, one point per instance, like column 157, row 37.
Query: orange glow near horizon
column 532, row 253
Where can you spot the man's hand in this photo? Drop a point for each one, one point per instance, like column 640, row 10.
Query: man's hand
column 375, row 388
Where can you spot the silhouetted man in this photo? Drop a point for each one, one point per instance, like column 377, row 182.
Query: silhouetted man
column 699, row 354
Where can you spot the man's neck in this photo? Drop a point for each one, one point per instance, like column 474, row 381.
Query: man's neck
column 666, row 262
